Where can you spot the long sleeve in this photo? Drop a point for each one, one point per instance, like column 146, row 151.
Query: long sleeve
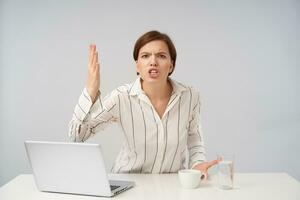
column 89, row 118
column 195, row 136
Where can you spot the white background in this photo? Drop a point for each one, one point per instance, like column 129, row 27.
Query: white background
column 243, row 57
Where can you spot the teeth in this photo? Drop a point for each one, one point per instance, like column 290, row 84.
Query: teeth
column 153, row 71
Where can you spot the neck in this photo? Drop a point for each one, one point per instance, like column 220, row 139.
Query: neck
column 157, row 91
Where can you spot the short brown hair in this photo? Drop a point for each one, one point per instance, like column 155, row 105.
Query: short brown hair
column 151, row 36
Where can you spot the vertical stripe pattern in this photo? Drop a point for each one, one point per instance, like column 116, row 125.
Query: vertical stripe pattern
column 151, row 144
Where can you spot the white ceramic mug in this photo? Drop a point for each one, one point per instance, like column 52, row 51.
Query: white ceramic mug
column 189, row 178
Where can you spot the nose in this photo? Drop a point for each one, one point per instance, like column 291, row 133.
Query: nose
column 153, row 60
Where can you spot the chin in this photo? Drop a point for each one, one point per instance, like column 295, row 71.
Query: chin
column 153, row 80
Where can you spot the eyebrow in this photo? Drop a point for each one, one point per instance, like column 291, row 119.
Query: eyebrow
column 161, row 52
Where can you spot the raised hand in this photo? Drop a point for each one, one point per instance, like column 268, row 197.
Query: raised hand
column 93, row 78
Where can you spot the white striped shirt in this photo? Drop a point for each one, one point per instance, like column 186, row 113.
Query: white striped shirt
column 152, row 144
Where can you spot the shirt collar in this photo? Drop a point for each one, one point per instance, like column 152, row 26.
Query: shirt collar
column 136, row 87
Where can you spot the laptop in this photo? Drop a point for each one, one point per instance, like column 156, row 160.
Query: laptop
column 74, row 168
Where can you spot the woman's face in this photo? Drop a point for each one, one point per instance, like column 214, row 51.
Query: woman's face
column 154, row 62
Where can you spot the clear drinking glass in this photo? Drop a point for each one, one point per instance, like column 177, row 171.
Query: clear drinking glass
column 225, row 171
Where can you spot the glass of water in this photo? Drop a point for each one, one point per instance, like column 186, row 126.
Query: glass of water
column 225, row 171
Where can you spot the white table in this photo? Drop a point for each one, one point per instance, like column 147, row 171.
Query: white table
column 256, row 186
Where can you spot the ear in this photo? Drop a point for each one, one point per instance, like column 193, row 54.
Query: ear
column 137, row 67
column 171, row 68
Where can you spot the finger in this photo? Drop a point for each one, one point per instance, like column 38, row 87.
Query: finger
column 97, row 67
column 94, row 60
column 91, row 54
column 219, row 158
column 204, row 176
column 96, row 57
column 213, row 162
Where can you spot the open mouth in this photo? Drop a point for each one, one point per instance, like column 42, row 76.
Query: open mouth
column 153, row 71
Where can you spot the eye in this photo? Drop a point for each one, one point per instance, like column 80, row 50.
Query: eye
column 144, row 56
column 162, row 56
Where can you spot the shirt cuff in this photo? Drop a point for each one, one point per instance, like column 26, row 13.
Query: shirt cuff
column 83, row 106
column 97, row 107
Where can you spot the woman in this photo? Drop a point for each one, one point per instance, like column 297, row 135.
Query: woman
column 159, row 116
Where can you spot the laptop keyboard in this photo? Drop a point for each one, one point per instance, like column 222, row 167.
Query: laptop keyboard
column 113, row 187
